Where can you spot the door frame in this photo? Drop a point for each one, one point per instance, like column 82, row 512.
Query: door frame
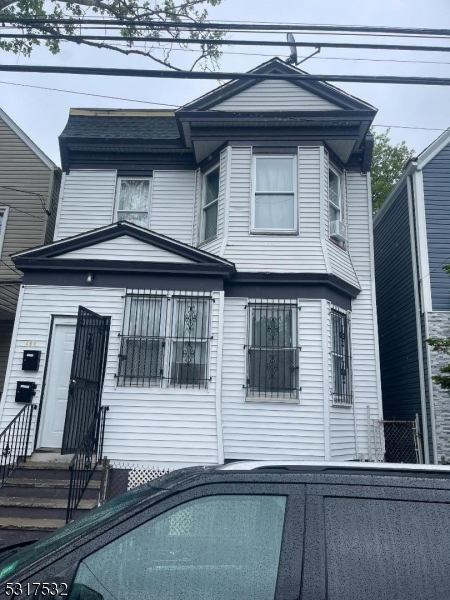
column 54, row 320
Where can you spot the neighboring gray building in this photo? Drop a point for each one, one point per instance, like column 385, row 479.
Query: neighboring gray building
column 29, row 186
column 412, row 244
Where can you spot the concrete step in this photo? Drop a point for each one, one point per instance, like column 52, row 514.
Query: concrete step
column 44, row 488
column 17, row 530
column 46, row 470
column 40, row 508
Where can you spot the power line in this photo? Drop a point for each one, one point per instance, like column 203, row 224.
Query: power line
column 40, row 87
column 216, row 42
column 227, row 26
column 167, row 74
column 22, row 211
column 11, row 268
column 28, row 193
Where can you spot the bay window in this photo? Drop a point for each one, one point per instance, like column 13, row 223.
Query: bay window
column 274, row 194
column 133, row 201
column 210, row 204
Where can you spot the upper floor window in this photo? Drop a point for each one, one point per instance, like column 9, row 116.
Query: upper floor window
column 165, row 340
column 133, row 201
column 210, row 203
column 3, row 218
column 338, row 229
column 274, row 194
column 272, row 365
column 340, row 353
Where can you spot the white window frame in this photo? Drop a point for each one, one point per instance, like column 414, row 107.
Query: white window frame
column 290, row 231
column 203, row 239
column 5, row 211
column 339, row 208
column 279, row 397
column 116, row 204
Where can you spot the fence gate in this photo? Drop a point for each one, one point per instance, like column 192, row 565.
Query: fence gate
column 398, row 441
column 86, row 377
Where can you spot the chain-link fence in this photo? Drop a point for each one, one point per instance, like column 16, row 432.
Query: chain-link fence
column 398, row 441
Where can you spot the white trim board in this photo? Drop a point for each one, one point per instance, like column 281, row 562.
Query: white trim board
column 26, row 140
column 5, row 211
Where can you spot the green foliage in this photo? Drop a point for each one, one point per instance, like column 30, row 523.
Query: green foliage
column 442, row 345
column 206, row 57
column 387, row 166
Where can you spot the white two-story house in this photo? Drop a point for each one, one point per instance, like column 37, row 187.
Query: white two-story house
column 222, row 258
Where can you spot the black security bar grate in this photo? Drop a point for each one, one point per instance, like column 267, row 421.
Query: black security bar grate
column 341, row 357
column 272, row 351
column 165, row 339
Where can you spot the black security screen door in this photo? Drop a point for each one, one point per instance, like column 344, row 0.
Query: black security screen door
column 86, row 377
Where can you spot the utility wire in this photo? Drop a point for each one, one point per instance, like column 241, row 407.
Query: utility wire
column 227, row 26
column 40, row 87
column 28, row 193
column 167, row 74
column 21, row 211
column 11, row 268
column 79, row 38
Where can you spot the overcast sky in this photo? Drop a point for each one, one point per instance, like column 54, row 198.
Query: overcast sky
column 42, row 114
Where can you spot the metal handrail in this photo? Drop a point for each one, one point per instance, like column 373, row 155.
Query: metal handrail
column 85, row 461
column 14, row 442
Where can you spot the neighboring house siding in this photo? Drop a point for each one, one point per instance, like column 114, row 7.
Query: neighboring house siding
column 53, row 207
column 86, row 202
column 396, row 312
column 166, row 427
column 125, row 248
column 436, row 183
column 275, row 95
column 22, row 169
column 172, row 204
column 264, row 430
column 6, row 329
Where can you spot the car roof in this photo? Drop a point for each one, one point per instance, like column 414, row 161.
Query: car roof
column 336, row 466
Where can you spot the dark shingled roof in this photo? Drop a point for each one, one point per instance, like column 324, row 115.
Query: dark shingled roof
column 114, row 127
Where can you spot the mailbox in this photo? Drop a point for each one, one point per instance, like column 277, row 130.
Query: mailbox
column 25, row 390
column 30, row 360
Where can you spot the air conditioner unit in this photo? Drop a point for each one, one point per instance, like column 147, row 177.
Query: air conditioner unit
column 338, row 231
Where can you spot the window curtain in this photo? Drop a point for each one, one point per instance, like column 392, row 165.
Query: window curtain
column 274, row 175
column 134, row 195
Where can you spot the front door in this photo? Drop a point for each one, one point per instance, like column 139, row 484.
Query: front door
column 57, row 387
column 86, row 377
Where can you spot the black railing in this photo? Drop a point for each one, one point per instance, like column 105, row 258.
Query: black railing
column 83, row 464
column 14, row 442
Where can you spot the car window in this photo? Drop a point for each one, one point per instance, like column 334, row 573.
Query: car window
column 212, row 548
column 387, row 549
column 14, row 562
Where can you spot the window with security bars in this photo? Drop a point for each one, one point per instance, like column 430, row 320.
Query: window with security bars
column 272, row 352
column 165, row 340
column 341, row 358
column 210, row 203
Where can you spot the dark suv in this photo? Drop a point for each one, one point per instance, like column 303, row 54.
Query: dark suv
column 254, row 531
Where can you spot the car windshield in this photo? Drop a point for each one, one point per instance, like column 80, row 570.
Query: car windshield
column 14, row 562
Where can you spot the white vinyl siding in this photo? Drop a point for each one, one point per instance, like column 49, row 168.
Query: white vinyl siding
column 172, row 206
column 275, row 95
column 127, row 248
column 275, row 253
column 262, row 431
column 167, row 427
column 86, row 202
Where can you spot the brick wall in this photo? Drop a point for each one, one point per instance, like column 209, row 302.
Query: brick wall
column 439, row 326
